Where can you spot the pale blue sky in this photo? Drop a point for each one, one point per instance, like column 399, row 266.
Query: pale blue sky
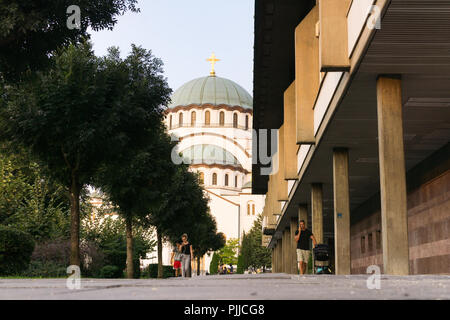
column 184, row 33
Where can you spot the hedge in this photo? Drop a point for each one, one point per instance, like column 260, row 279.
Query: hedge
column 16, row 248
column 152, row 271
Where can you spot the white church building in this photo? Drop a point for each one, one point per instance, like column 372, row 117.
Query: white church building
column 211, row 118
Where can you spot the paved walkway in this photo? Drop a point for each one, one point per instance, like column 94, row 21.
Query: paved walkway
column 233, row 287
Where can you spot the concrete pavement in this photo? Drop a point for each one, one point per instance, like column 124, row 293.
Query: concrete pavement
column 232, row 287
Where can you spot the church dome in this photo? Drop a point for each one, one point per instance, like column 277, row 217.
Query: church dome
column 213, row 90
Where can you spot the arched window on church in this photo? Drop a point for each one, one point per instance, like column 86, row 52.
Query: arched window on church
column 246, row 122
column 193, row 118
column 235, row 120
column 222, row 118
column 214, row 179
column 180, row 119
column 201, row 177
column 207, row 118
column 250, row 208
column 226, row 180
column 170, row 122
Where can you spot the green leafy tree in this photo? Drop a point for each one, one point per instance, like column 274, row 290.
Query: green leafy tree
column 29, row 200
column 228, row 254
column 78, row 116
column 132, row 185
column 253, row 253
column 31, row 30
column 214, row 264
column 132, row 179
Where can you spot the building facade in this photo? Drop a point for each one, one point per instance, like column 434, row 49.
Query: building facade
column 358, row 95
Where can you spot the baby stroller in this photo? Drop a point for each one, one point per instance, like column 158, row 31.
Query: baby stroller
column 322, row 259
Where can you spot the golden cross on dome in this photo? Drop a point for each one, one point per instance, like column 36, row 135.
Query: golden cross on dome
column 213, row 61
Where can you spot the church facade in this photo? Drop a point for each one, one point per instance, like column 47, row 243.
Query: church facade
column 211, row 118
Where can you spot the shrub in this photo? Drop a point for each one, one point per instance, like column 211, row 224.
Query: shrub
column 44, row 269
column 152, row 271
column 16, row 248
column 110, row 272
column 214, row 265
column 55, row 255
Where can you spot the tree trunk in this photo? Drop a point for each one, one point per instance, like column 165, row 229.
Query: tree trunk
column 74, row 196
column 129, row 227
column 198, row 266
column 160, row 265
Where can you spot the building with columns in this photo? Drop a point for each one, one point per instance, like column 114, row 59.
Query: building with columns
column 211, row 118
column 358, row 95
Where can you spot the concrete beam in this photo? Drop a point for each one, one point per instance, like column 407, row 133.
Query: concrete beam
column 306, row 76
column 333, row 35
column 290, row 141
column 341, row 211
column 394, row 218
column 281, row 182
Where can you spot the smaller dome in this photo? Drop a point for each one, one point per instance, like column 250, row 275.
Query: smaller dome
column 209, row 154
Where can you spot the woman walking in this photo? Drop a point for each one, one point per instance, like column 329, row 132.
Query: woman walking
column 186, row 256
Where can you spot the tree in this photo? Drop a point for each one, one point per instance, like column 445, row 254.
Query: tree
column 132, row 184
column 252, row 252
column 214, row 265
column 80, row 114
column 228, row 254
column 29, row 200
column 31, row 30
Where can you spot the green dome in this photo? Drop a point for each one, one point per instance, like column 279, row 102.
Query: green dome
column 213, row 90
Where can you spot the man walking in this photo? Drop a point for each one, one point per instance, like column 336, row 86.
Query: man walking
column 302, row 236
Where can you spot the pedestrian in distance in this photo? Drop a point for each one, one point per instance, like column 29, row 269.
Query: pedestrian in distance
column 175, row 260
column 187, row 256
column 302, row 237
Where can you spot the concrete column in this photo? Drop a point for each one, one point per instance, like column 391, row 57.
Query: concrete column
column 341, row 211
column 287, row 260
column 303, row 214
column 293, row 252
column 285, row 253
column 394, row 219
column 317, row 211
column 278, row 256
column 282, row 251
column 281, row 255
column 273, row 260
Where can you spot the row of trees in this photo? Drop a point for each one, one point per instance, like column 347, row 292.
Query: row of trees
column 97, row 121
column 250, row 254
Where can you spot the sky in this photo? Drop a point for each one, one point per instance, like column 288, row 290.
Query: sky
column 184, row 33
